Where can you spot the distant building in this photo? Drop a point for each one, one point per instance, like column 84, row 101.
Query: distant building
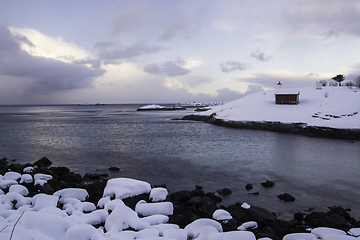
column 279, row 85
column 287, row 97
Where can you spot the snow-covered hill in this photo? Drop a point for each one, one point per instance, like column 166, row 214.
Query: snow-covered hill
column 334, row 107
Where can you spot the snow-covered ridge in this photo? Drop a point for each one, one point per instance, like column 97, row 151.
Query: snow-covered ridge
column 334, row 107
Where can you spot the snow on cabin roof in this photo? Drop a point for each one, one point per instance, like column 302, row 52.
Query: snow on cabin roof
column 286, row 91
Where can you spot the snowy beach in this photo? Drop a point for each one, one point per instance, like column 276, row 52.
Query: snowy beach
column 38, row 201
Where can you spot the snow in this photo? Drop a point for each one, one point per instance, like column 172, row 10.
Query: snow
column 40, row 217
column 78, row 193
column 147, row 209
column 125, row 187
column 158, row 194
column 194, row 228
column 336, row 107
column 153, row 106
column 221, row 214
column 354, row 232
column 12, row 176
column 300, row 236
column 321, row 232
column 247, row 225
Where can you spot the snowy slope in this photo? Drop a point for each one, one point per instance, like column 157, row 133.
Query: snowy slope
column 336, row 107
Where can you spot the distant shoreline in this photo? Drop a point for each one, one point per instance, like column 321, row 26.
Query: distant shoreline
column 294, row 128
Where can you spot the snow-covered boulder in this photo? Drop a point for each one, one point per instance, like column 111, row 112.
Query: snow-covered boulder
column 26, row 178
column 42, row 200
column 147, row 209
column 300, row 236
column 158, row 194
column 77, row 193
column 321, row 232
column 12, row 176
column 19, row 189
column 125, row 187
column 194, row 228
column 221, row 214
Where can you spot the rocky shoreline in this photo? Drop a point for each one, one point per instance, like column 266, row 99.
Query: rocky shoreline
column 294, row 128
column 188, row 205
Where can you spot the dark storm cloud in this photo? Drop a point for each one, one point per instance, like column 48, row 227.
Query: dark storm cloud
column 45, row 74
column 260, row 56
column 231, row 66
column 95, row 63
column 169, row 68
column 178, row 29
column 113, row 51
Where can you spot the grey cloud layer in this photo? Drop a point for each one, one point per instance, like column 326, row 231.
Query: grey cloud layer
column 169, row 68
column 44, row 74
column 112, row 51
column 231, row 66
column 260, row 56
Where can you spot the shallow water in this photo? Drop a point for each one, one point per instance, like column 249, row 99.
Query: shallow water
column 151, row 146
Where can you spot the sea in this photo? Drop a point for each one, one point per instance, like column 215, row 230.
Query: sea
column 159, row 148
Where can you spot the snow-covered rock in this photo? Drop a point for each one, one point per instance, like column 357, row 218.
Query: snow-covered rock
column 194, row 228
column 221, row 214
column 147, row 209
column 158, row 194
column 125, row 187
column 78, row 193
column 321, row 232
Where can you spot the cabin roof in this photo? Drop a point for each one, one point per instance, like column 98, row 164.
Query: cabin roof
column 287, row 92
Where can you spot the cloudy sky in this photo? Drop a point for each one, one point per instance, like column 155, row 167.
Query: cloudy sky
column 158, row 51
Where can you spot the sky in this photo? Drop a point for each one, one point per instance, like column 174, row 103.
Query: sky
column 161, row 51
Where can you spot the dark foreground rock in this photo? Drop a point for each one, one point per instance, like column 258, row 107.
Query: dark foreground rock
column 190, row 205
column 295, row 128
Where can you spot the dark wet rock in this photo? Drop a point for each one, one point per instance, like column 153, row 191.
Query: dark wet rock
column 286, row 197
column 16, row 167
column 280, row 228
column 332, row 221
column 114, row 169
column 294, row 128
column 224, row 191
column 230, row 225
column 260, row 215
column 198, row 187
column 180, row 197
column 160, row 185
column 267, row 232
column 268, row 184
column 339, row 210
column 214, row 197
column 132, row 201
column 197, row 201
column 207, row 209
column 95, row 189
column 254, row 193
column 183, row 220
column 92, row 176
column 249, row 186
column 43, row 162
column 59, row 170
column 309, row 219
column 71, row 177
column 197, row 192
column 299, row 216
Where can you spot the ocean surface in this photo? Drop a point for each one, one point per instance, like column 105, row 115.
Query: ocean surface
column 153, row 147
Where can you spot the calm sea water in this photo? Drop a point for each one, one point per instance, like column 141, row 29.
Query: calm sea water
column 151, row 146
